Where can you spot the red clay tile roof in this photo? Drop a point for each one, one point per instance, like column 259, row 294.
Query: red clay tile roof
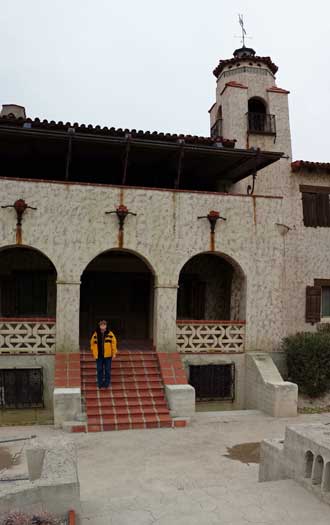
column 276, row 89
column 11, row 120
column 305, row 165
column 233, row 83
column 232, row 61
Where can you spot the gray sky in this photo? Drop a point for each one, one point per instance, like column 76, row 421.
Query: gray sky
column 147, row 64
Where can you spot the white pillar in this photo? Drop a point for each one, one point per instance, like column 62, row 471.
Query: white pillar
column 165, row 317
column 67, row 316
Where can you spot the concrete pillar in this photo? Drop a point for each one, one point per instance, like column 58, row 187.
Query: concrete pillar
column 165, row 317
column 67, row 316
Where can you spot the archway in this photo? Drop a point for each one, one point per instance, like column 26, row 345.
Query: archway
column 27, row 284
column 257, row 115
column 211, row 287
column 118, row 286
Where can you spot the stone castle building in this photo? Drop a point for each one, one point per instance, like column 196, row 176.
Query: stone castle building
column 203, row 253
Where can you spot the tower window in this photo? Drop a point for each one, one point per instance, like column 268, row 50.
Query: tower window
column 256, row 105
column 259, row 121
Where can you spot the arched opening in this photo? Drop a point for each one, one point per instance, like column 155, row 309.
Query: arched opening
column 216, row 129
column 27, row 284
column 211, row 288
column 309, row 458
column 326, row 482
column 257, row 105
column 258, row 119
column 211, row 319
column 318, row 470
column 118, row 286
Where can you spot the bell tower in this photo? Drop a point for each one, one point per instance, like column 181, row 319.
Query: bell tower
column 249, row 106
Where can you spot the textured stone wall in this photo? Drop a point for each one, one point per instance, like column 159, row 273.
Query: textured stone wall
column 71, row 228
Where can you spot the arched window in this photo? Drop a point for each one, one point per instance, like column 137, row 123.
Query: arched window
column 317, row 470
column 309, row 459
column 259, row 121
column 216, row 130
column 256, row 105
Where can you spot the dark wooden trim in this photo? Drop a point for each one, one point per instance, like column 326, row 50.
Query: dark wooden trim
column 314, row 189
column 321, row 282
column 313, row 304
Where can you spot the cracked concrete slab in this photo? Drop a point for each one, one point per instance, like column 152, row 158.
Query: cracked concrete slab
column 183, row 477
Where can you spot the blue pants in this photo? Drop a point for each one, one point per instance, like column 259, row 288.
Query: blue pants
column 103, row 367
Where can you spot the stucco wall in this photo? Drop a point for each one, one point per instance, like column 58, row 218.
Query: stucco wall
column 71, row 228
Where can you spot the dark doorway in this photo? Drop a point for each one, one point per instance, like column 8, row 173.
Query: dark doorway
column 117, row 286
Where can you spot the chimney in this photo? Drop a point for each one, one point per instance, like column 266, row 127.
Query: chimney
column 13, row 109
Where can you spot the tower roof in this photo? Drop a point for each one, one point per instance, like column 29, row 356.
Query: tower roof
column 246, row 54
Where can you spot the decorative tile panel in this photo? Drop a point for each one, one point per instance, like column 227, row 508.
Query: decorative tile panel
column 28, row 336
column 210, row 336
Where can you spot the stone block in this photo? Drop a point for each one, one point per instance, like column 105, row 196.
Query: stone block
column 181, row 400
column 67, row 405
column 35, row 458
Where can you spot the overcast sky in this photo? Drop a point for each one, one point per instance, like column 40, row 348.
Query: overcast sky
column 147, row 64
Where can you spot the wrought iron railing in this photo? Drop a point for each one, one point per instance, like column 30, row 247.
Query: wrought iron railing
column 216, row 130
column 27, row 335
column 210, row 336
column 261, row 123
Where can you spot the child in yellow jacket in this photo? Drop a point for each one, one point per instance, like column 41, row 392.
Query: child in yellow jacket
column 104, row 348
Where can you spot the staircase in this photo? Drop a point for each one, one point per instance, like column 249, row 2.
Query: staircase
column 135, row 399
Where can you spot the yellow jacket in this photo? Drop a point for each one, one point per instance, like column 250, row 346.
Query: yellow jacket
column 110, row 345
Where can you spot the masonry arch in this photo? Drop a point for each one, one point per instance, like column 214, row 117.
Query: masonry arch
column 318, row 470
column 212, row 286
column 257, row 105
column 27, row 283
column 118, row 285
column 309, row 459
column 326, row 481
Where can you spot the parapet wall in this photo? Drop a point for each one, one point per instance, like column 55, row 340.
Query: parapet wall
column 265, row 388
column 304, row 455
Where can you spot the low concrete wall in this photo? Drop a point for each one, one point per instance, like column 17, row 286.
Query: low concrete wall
column 304, row 456
column 52, row 481
column 279, row 359
column 265, row 388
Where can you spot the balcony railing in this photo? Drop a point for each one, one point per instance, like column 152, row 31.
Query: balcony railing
column 216, row 130
column 262, row 123
column 210, row 336
column 27, row 335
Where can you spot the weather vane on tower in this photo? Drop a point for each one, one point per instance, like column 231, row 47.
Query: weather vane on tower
column 241, row 23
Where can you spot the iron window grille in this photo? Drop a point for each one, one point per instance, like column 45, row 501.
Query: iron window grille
column 212, row 382
column 262, row 123
column 21, row 388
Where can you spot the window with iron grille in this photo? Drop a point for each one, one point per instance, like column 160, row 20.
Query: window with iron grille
column 21, row 388
column 213, row 381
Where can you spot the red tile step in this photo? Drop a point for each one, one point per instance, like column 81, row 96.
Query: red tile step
column 136, row 398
